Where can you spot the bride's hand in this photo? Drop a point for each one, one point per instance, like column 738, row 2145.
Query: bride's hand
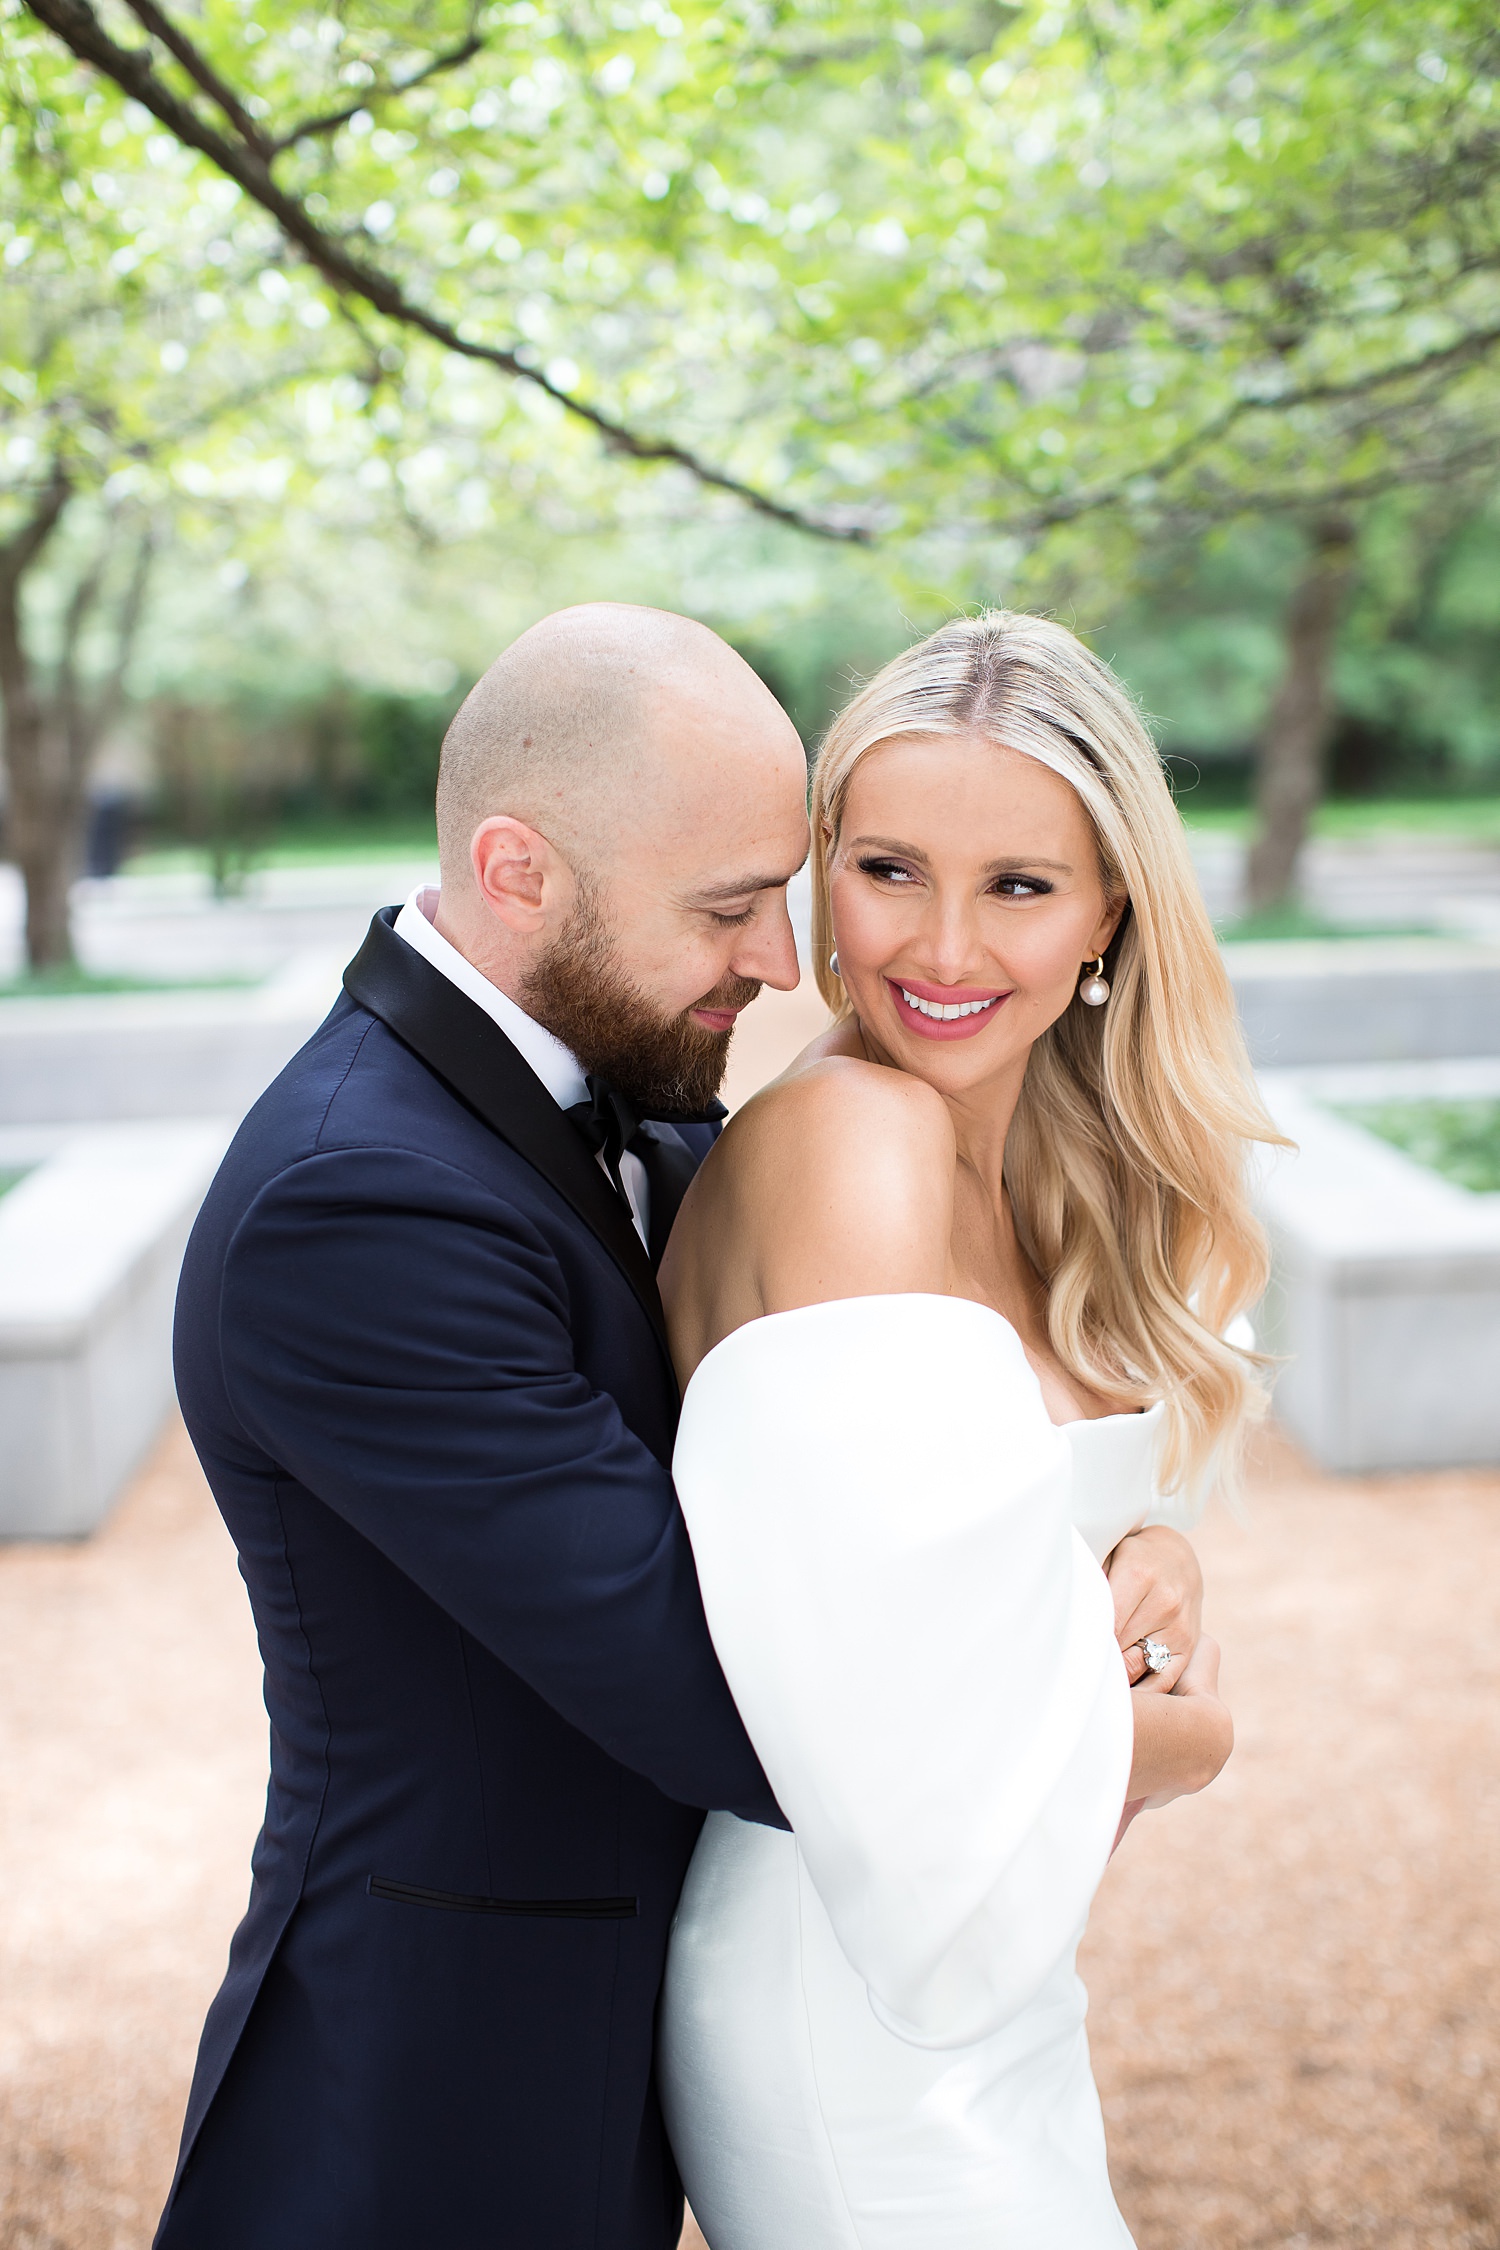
column 1183, row 1740
column 1158, row 1595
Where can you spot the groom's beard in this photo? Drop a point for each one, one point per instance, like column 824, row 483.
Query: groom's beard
column 581, row 993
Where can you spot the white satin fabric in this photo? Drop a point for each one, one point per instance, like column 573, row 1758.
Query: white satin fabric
column 872, row 2032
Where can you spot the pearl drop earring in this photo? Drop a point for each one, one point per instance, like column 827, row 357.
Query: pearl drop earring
column 1093, row 991
column 833, row 961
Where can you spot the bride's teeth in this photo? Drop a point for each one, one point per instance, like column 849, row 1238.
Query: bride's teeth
column 941, row 1014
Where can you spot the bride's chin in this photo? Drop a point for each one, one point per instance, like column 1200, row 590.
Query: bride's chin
column 952, row 1066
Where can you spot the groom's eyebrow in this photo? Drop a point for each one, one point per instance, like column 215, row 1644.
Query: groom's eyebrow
column 742, row 886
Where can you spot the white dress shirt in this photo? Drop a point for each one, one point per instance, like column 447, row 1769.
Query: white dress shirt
column 553, row 1063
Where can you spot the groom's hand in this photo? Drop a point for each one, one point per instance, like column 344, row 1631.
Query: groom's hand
column 1158, row 1595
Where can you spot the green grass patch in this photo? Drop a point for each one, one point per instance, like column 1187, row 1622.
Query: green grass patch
column 1468, row 820
column 1459, row 1139
column 311, row 844
column 72, row 982
column 13, row 1177
column 1292, row 921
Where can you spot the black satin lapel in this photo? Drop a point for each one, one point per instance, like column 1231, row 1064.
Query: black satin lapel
column 471, row 1054
column 670, row 1168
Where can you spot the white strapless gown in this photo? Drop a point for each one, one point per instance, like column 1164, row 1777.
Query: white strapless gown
column 872, row 2031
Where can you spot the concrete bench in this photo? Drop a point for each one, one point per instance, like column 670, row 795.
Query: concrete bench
column 1385, row 1291
column 90, row 1244
column 1366, row 999
column 158, row 1054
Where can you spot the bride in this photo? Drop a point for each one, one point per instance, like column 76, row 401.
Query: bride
column 949, row 1301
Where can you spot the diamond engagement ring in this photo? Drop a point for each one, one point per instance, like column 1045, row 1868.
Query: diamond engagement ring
column 1157, row 1654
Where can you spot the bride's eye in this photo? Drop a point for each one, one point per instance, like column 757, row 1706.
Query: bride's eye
column 892, row 871
column 1021, row 886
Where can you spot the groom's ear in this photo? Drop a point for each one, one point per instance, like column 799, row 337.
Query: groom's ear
column 524, row 882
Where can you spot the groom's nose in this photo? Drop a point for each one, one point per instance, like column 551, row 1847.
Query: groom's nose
column 767, row 949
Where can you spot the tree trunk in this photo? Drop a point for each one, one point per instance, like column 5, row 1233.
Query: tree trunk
column 1289, row 770
column 51, row 736
column 31, row 757
column 44, row 819
column 48, row 876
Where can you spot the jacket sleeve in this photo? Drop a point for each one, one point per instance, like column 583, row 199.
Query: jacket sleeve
column 402, row 1348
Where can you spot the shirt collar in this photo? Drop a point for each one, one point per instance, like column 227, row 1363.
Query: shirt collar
column 554, row 1064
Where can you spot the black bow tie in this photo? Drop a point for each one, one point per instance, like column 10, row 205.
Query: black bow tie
column 611, row 1123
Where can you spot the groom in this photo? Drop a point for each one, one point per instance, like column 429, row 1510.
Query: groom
column 422, row 1357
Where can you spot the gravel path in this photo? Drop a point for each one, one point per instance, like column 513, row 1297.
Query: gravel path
column 132, row 1771
column 1296, row 1976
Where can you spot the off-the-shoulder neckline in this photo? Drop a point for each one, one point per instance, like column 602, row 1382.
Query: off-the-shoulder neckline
column 918, row 1296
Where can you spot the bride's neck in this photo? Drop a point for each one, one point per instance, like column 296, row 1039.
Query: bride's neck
column 981, row 1123
column 981, row 1117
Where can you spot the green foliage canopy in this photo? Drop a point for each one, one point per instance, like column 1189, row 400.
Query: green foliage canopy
column 960, row 272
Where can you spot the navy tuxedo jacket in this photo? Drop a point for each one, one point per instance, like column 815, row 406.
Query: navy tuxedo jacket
column 422, row 1359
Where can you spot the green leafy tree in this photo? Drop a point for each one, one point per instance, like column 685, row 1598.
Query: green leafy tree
column 1190, row 263
column 132, row 347
column 999, row 289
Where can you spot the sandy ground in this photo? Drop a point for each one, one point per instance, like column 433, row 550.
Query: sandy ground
column 1295, row 1978
column 132, row 1772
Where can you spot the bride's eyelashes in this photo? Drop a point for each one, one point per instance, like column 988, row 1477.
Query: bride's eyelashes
column 1022, row 886
column 896, row 874
column 892, row 871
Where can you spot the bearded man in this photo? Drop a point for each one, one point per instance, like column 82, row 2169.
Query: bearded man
column 423, row 1361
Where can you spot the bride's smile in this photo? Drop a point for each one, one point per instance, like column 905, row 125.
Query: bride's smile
column 943, row 1011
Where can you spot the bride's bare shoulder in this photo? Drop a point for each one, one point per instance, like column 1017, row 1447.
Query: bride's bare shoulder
column 842, row 1178
column 831, row 1105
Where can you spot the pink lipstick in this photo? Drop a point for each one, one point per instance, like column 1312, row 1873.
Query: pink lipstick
column 944, row 1011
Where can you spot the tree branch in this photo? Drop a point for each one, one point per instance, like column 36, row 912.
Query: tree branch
column 202, row 72
column 1472, row 346
column 90, row 724
column 76, row 25
column 334, row 118
column 19, row 552
column 76, row 615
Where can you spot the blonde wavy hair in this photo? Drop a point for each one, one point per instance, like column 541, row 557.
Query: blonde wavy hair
column 1126, row 1160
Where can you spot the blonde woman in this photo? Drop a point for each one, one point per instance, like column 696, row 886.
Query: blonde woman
column 949, row 1300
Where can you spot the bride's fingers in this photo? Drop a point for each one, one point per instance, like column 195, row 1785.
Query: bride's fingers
column 1157, row 1588
column 1158, row 1616
column 1200, row 1675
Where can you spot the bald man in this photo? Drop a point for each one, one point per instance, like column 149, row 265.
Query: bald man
column 422, row 1358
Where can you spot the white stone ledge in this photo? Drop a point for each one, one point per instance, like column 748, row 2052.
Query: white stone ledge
column 90, row 1245
column 1352, row 1000
column 158, row 1054
column 1385, row 1292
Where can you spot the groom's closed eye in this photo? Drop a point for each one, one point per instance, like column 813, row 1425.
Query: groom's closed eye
column 731, row 905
